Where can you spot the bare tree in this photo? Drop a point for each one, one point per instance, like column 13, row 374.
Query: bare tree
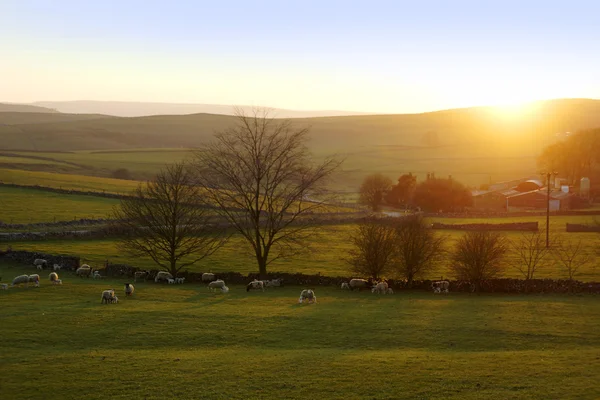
column 478, row 255
column 418, row 248
column 260, row 177
column 374, row 249
column 165, row 221
column 529, row 254
column 373, row 190
column 571, row 256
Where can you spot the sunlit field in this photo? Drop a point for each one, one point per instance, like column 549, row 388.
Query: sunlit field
column 182, row 341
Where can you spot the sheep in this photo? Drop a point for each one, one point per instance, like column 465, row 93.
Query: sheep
column 162, row 276
column 58, row 282
column 84, row 270
column 390, row 291
column 255, row 284
column 179, row 280
column 360, row 284
column 140, row 274
column 21, row 279
column 57, row 267
column 115, row 299
column 274, row 282
column 53, row 277
column 380, row 288
column 40, row 263
column 107, row 296
column 307, row 294
column 35, row 278
column 4, row 286
column 129, row 289
column 208, row 277
column 218, row 284
column 440, row 287
column 96, row 275
column 224, row 289
column 345, row 286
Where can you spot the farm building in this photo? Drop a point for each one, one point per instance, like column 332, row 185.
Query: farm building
column 538, row 200
column 492, row 200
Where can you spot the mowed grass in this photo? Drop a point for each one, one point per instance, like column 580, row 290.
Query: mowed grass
column 184, row 342
column 325, row 254
column 23, row 206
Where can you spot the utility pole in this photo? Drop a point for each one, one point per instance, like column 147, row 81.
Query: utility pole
column 548, row 212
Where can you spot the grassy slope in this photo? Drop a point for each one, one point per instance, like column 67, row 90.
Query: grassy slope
column 25, row 108
column 29, row 205
column 187, row 343
column 326, row 255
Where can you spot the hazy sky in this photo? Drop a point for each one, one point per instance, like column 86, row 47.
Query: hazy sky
column 378, row 56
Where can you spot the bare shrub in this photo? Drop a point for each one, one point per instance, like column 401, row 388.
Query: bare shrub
column 374, row 249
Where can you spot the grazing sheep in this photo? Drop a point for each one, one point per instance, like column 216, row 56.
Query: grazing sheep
column 129, row 289
column 440, row 286
column 96, row 275
column 53, row 277
column 224, row 289
column 218, row 284
column 307, row 294
column 84, row 270
column 58, row 282
column 345, row 286
column 255, row 284
column 107, row 296
column 274, row 282
column 390, row 291
column 4, row 286
column 163, row 276
column 208, row 277
column 114, row 300
column 140, row 274
column 57, row 267
column 40, row 263
column 20, row 279
column 380, row 288
column 35, row 278
column 179, row 280
column 360, row 284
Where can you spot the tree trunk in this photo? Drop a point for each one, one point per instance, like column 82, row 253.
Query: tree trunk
column 262, row 267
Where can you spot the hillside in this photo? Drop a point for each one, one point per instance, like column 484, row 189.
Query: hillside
column 25, row 108
column 141, row 109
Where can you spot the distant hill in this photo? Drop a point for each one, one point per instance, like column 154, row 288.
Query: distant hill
column 25, row 108
column 141, row 109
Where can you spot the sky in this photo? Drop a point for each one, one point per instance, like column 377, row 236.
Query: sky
column 371, row 56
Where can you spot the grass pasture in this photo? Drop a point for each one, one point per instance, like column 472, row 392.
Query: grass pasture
column 23, row 206
column 184, row 342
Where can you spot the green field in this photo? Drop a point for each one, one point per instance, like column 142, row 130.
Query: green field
column 20, row 206
column 326, row 254
column 185, row 342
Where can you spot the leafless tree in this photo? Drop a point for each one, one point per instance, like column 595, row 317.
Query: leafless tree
column 165, row 220
column 418, row 248
column 261, row 179
column 529, row 254
column 373, row 191
column 571, row 256
column 478, row 256
column 374, row 249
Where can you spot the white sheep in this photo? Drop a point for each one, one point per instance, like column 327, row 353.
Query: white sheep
column 140, row 274
column 129, row 289
column 380, row 288
column 255, row 284
column 440, row 287
column 224, row 289
column 170, row 281
column 96, row 275
column 40, row 263
column 307, row 294
column 208, row 277
column 4, row 286
column 162, row 276
column 390, row 291
column 53, row 277
column 345, row 286
column 179, row 280
column 21, row 279
column 218, row 284
column 35, row 278
column 58, row 282
column 84, row 270
column 107, row 296
column 115, row 299
column 359, row 284
column 57, row 267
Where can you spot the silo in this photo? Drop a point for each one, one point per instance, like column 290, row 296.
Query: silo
column 584, row 186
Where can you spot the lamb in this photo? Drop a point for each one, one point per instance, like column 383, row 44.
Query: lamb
column 390, row 291
column 96, row 275
column 307, row 294
column 21, row 279
column 163, row 276
column 360, row 284
column 140, row 274
column 84, row 270
column 170, row 281
column 440, row 286
column 224, row 289
column 255, row 284
column 274, row 282
column 57, row 267
column 208, row 277
column 40, row 263
column 179, row 280
column 53, row 277
column 107, row 296
column 58, row 282
column 129, row 289
column 35, row 278
column 218, row 284
column 4, row 286
column 345, row 286
column 114, row 300
column 380, row 288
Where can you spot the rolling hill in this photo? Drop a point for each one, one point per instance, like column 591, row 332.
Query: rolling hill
column 25, row 108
